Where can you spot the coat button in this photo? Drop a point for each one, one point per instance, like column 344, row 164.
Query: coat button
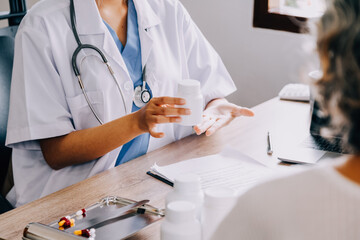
column 128, row 85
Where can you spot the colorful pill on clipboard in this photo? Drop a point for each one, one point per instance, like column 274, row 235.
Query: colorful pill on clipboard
column 66, row 222
column 61, row 223
column 81, row 212
column 85, row 233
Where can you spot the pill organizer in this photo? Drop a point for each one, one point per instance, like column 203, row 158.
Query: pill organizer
column 295, row 92
column 103, row 217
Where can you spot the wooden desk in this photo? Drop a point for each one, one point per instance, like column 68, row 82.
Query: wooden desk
column 284, row 119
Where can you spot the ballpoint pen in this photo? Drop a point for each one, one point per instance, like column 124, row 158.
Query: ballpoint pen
column 269, row 145
column 160, row 178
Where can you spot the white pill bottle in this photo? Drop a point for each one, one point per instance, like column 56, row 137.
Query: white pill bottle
column 187, row 187
column 218, row 202
column 180, row 222
column 189, row 89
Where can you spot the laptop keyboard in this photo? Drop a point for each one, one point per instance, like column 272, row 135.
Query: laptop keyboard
column 320, row 143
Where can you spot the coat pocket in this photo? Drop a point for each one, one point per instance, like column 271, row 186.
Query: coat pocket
column 82, row 116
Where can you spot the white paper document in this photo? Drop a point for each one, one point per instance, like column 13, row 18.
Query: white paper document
column 230, row 168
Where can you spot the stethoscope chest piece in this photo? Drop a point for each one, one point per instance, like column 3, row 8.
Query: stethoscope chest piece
column 141, row 96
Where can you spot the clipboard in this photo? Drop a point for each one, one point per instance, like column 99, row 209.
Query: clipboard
column 122, row 226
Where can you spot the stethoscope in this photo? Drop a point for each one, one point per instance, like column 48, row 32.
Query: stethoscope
column 141, row 95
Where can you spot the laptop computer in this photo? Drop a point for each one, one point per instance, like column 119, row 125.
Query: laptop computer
column 314, row 146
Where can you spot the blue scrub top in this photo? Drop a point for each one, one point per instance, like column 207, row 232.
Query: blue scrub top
column 131, row 54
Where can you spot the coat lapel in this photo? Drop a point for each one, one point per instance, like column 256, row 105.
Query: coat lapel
column 146, row 20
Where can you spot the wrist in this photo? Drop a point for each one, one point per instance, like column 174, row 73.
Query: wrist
column 215, row 101
column 137, row 126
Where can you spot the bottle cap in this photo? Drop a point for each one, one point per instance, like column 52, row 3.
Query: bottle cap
column 189, row 87
column 180, row 211
column 219, row 197
column 187, row 183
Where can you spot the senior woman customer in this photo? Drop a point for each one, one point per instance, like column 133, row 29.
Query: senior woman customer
column 323, row 202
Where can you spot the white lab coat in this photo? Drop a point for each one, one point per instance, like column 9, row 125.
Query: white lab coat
column 46, row 100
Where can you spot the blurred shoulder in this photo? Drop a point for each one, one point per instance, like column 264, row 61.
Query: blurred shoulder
column 288, row 189
column 300, row 177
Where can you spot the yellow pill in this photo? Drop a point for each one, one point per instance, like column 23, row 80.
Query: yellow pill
column 61, row 223
column 78, row 232
column 61, row 228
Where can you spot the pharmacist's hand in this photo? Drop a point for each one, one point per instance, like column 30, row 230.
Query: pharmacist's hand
column 160, row 110
column 219, row 113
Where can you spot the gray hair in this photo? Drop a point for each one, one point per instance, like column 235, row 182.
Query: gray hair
column 338, row 45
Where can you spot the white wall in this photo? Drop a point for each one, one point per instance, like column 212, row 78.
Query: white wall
column 260, row 61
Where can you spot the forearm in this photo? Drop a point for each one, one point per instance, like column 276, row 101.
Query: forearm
column 85, row 145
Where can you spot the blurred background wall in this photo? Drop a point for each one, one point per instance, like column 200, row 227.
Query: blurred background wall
column 260, row 61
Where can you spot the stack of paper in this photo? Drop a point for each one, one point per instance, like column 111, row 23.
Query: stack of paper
column 230, row 168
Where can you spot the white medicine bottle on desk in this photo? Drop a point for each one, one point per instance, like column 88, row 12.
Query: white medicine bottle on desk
column 189, row 89
column 180, row 222
column 187, row 187
column 218, row 202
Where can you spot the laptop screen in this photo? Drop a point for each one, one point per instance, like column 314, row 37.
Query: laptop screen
column 318, row 121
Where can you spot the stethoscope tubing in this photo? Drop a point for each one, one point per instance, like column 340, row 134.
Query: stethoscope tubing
column 76, row 69
column 88, row 101
column 76, row 52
